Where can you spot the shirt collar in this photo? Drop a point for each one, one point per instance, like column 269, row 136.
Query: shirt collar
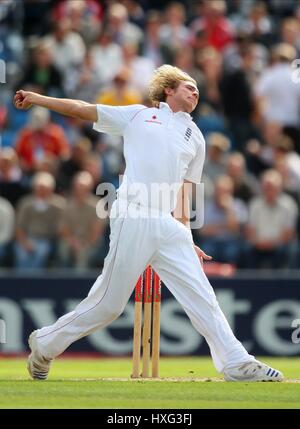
column 163, row 105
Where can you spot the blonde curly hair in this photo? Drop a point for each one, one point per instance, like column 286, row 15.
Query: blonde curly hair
column 166, row 76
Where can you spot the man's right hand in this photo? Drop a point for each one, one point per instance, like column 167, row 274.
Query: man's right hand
column 24, row 99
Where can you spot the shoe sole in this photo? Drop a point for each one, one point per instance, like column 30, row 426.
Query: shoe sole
column 262, row 380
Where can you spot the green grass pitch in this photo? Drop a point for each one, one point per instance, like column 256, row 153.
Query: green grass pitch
column 105, row 383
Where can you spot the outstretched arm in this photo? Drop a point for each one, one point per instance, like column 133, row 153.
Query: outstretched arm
column 74, row 108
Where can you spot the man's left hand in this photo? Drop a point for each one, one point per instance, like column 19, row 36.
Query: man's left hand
column 202, row 255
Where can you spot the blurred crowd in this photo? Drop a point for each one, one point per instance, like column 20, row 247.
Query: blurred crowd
column 243, row 55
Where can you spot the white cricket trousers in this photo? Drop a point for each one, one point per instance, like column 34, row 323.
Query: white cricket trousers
column 135, row 242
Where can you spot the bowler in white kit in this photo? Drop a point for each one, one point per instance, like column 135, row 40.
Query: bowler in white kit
column 162, row 145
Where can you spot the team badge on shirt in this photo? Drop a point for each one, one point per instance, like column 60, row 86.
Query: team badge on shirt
column 188, row 134
column 154, row 120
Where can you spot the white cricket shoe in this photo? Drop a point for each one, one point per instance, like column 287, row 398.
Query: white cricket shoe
column 38, row 366
column 252, row 371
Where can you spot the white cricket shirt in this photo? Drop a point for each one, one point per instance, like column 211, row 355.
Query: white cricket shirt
column 161, row 150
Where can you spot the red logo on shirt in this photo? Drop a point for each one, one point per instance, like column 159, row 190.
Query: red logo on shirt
column 153, row 120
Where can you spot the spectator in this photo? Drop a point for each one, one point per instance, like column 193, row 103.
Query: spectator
column 41, row 74
column 81, row 229
column 239, row 101
column 288, row 185
column 84, row 81
column 238, row 10
column 69, row 167
column 13, row 184
column 199, row 40
column 290, row 33
column 209, row 113
column 209, row 62
column 259, row 24
column 152, row 47
column 67, row 46
column 122, row 30
column 271, row 231
column 12, row 43
column 48, row 164
column 185, row 60
column 233, row 53
column 141, row 69
column 85, row 16
column 10, row 16
column 94, row 166
column 260, row 153
column 215, row 164
column 135, row 11
column 110, row 165
column 7, row 224
column 224, row 218
column 218, row 29
column 120, row 93
column 38, row 219
column 244, row 183
column 106, row 56
column 278, row 95
column 285, row 156
column 39, row 138
column 174, row 33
